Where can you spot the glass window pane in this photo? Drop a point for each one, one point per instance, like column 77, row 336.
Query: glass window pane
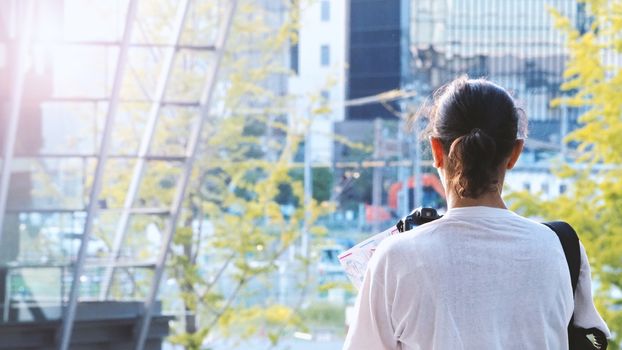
column 325, row 9
column 325, row 55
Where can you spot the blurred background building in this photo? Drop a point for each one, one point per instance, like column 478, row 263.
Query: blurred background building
column 417, row 46
column 319, row 66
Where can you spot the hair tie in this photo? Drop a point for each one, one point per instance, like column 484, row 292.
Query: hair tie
column 475, row 131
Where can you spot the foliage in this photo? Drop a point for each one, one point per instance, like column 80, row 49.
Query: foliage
column 245, row 212
column 593, row 203
column 324, row 314
column 322, row 178
column 237, row 233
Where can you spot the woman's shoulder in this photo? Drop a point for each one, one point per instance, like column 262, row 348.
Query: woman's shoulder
column 472, row 224
column 406, row 242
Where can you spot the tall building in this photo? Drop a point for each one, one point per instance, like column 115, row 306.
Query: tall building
column 377, row 53
column 419, row 45
column 422, row 44
column 318, row 61
column 513, row 43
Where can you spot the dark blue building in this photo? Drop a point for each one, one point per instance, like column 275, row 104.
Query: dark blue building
column 376, row 53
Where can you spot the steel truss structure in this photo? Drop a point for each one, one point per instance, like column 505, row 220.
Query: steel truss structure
column 157, row 100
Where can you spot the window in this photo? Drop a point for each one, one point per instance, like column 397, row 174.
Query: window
column 325, row 55
column 562, row 189
column 325, row 11
column 325, row 96
column 294, row 58
column 544, row 187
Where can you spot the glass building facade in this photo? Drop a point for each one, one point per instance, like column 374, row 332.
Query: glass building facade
column 419, row 45
column 513, row 43
column 101, row 105
column 375, row 53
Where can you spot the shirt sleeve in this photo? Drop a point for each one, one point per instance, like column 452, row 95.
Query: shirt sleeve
column 372, row 327
column 585, row 313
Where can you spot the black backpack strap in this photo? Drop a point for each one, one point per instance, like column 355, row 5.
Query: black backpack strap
column 570, row 243
column 578, row 338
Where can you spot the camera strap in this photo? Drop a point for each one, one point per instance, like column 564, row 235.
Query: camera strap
column 570, row 243
column 578, row 338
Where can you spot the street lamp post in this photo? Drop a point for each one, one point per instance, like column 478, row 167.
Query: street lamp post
column 416, row 152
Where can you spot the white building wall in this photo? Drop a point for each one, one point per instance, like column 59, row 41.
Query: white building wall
column 316, row 80
column 543, row 183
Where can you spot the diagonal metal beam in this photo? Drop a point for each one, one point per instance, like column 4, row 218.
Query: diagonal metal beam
column 70, row 311
column 147, row 45
column 176, row 207
column 141, row 163
column 17, row 94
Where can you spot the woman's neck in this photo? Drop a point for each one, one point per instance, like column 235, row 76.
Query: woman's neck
column 491, row 199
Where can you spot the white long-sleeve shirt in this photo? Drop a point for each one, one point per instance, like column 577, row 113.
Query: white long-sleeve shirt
column 478, row 278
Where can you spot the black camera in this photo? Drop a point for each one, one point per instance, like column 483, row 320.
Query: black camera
column 418, row 217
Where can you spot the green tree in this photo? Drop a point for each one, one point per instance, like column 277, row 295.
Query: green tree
column 245, row 211
column 593, row 201
column 226, row 274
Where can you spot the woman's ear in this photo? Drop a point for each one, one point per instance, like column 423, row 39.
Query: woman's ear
column 516, row 151
column 437, row 152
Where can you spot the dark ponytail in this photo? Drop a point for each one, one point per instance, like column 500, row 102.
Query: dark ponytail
column 471, row 157
column 478, row 125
